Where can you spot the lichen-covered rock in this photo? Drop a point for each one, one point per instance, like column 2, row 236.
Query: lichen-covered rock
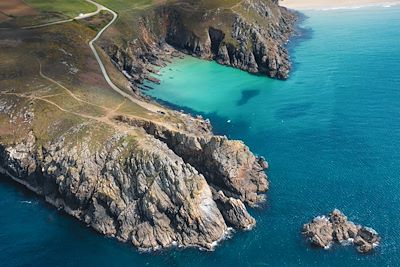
column 226, row 164
column 323, row 231
column 146, row 188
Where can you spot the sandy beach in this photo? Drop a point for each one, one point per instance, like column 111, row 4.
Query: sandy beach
column 329, row 4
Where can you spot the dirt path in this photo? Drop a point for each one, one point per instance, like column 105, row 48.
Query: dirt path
column 143, row 104
column 66, row 89
column 110, row 112
column 148, row 106
column 107, row 119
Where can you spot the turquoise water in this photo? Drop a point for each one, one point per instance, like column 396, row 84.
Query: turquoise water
column 331, row 134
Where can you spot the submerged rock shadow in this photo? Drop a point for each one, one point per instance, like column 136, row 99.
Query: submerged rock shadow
column 247, row 95
column 293, row 111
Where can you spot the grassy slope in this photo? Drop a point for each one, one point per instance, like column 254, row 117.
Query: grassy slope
column 126, row 5
column 65, row 57
column 80, row 107
column 70, row 8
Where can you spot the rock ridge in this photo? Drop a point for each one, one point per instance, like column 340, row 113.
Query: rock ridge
column 228, row 165
column 139, row 190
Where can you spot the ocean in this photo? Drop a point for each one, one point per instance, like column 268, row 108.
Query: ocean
column 331, row 134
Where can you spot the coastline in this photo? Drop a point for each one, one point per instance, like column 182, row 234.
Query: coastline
column 339, row 4
column 296, row 196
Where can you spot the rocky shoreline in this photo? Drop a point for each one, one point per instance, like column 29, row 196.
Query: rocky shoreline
column 165, row 181
column 147, row 193
column 255, row 45
column 323, row 231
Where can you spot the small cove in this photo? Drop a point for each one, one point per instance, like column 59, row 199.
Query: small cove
column 331, row 134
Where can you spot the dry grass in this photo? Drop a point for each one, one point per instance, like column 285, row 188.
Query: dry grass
column 52, row 73
column 16, row 8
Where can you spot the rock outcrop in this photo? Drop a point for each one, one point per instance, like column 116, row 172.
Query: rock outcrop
column 250, row 36
column 152, row 177
column 323, row 231
column 156, row 188
column 227, row 165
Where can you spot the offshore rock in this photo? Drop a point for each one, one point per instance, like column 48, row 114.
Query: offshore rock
column 322, row 231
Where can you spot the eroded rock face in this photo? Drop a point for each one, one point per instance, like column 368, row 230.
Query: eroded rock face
column 252, row 38
column 323, row 231
column 233, row 211
column 144, row 190
column 319, row 231
column 227, row 165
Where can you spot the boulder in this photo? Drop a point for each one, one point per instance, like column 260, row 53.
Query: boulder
column 322, row 231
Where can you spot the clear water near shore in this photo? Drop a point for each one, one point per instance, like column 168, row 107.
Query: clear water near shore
column 331, row 134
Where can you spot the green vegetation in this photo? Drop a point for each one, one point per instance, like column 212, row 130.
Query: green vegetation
column 70, row 8
column 52, row 70
column 212, row 4
column 126, row 5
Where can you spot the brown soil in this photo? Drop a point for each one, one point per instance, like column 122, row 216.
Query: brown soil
column 91, row 76
column 16, row 8
column 3, row 17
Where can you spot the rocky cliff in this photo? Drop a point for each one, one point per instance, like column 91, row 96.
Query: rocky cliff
column 250, row 35
column 154, row 187
column 135, row 170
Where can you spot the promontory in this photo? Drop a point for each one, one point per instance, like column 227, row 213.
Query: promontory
column 76, row 129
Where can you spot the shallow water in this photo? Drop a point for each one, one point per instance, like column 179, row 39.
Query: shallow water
column 331, row 135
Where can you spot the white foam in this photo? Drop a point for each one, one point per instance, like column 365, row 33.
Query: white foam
column 350, row 7
column 226, row 235
column 385, row 5
column 328, row 246
column 347, row 242
column 321, row 218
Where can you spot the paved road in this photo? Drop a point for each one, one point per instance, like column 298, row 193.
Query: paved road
column 100, row 7
column 143, row 104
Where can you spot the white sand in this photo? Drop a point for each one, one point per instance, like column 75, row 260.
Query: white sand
column 334, row 4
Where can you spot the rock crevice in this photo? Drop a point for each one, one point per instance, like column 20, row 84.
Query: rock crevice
column 141, row 191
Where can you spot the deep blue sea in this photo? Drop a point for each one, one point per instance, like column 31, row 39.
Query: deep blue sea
column 331, row 134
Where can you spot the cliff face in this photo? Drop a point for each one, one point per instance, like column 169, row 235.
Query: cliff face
column 146, row 190
column 250, row 35
column 135, row 170
column 227, row 165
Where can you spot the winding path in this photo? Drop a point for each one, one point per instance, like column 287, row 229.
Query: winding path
column 143, row 104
